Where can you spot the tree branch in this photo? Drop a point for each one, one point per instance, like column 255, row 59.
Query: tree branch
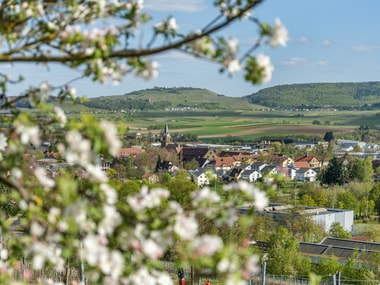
column 132, row 52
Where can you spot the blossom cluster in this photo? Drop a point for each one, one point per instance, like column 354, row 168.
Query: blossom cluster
column 77, row 216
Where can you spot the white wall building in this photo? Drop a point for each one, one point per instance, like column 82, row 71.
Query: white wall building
column 323, row 216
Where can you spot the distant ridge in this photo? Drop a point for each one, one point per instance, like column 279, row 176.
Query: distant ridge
column 362, row 95
column 161, row 98
column 340, row 96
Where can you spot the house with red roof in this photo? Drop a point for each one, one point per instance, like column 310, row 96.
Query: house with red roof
column 312, row 160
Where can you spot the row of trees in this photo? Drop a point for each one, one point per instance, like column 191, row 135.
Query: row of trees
column 343, row 170
column 283, row 258
column 346, row 96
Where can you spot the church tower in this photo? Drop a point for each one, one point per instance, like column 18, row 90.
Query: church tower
column 165, row 137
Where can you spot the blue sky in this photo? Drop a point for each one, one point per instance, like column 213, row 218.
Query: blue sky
column 330, row 41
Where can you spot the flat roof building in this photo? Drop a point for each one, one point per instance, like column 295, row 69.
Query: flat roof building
column 323, row 216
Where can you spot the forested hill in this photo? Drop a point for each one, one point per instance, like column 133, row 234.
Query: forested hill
column 363, row 95
column 161, row 98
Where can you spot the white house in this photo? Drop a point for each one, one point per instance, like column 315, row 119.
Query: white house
column 200, row 177
column 292, row 173
column 259, row 166
column 250, row 175
column 306, row 174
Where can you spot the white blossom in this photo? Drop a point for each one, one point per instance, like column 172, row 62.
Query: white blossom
column 147, row 198
column 149, row 71
column 233, row 66
column 186, row 227
column 152, row 249
column 91, row 249
column 202, row 46
column 42, row 177
column 54, row 214
column 44, row 91
column 226, row 265
column 117, row 263
column 260, row 200
column 23, row 205
column 163, row 278
column 259, row 197
column 28, row 134
column 166, row 27
column 77, row 212
column 111, row 194
column 36, row 229
column 251, row 265
column 207, row 245
column 3, row 142
column 139, row 4
column 263, row 62
column 246, row 15
column 72, row 92
column 3, row 254
column 16, row 173
column 38, row 261
column 60, row 114
column 280, row 34
column 79, row 149
column 204, row 195
column 233, row 280
column 28, row 13
column 233, row 45
column 110, row 133
column 141, row 276
column 110, row 221
column 97, row 254
column 40, row 9
column 230, row 217
column 96, row 173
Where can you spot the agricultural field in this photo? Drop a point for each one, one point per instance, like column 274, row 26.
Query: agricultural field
column 208, row 115
column 246, row 125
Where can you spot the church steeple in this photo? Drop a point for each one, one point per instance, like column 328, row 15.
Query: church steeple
column 165, row 137
column 166, row 129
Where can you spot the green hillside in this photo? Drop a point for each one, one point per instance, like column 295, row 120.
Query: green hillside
column 167, row 98
column 341, row 96
column 344, row 96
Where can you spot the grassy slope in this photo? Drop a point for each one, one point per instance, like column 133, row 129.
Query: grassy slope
column 346, row 95
column 194, row 97
column 239, row 118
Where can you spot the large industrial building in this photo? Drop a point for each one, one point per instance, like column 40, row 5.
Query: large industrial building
column 323, row 216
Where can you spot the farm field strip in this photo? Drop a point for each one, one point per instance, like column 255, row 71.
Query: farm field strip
column 252, row 124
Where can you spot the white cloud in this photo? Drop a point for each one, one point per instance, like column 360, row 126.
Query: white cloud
column 295, row 61
column 190, row 6
column 363, row 48
column 321, row 63
column 326, row 43
column 303, row 40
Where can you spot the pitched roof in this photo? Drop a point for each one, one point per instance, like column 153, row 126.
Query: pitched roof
column 365, row 245
column 188, row 153
column 278, row 158
column 249, row 172
column 228, row 161
column 339, row 248
column 258, row 164
column 127, row 151
column 301, row 164
column 307, row 158
column 304, row 170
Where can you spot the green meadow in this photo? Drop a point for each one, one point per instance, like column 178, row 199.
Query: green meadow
column 245, row 124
